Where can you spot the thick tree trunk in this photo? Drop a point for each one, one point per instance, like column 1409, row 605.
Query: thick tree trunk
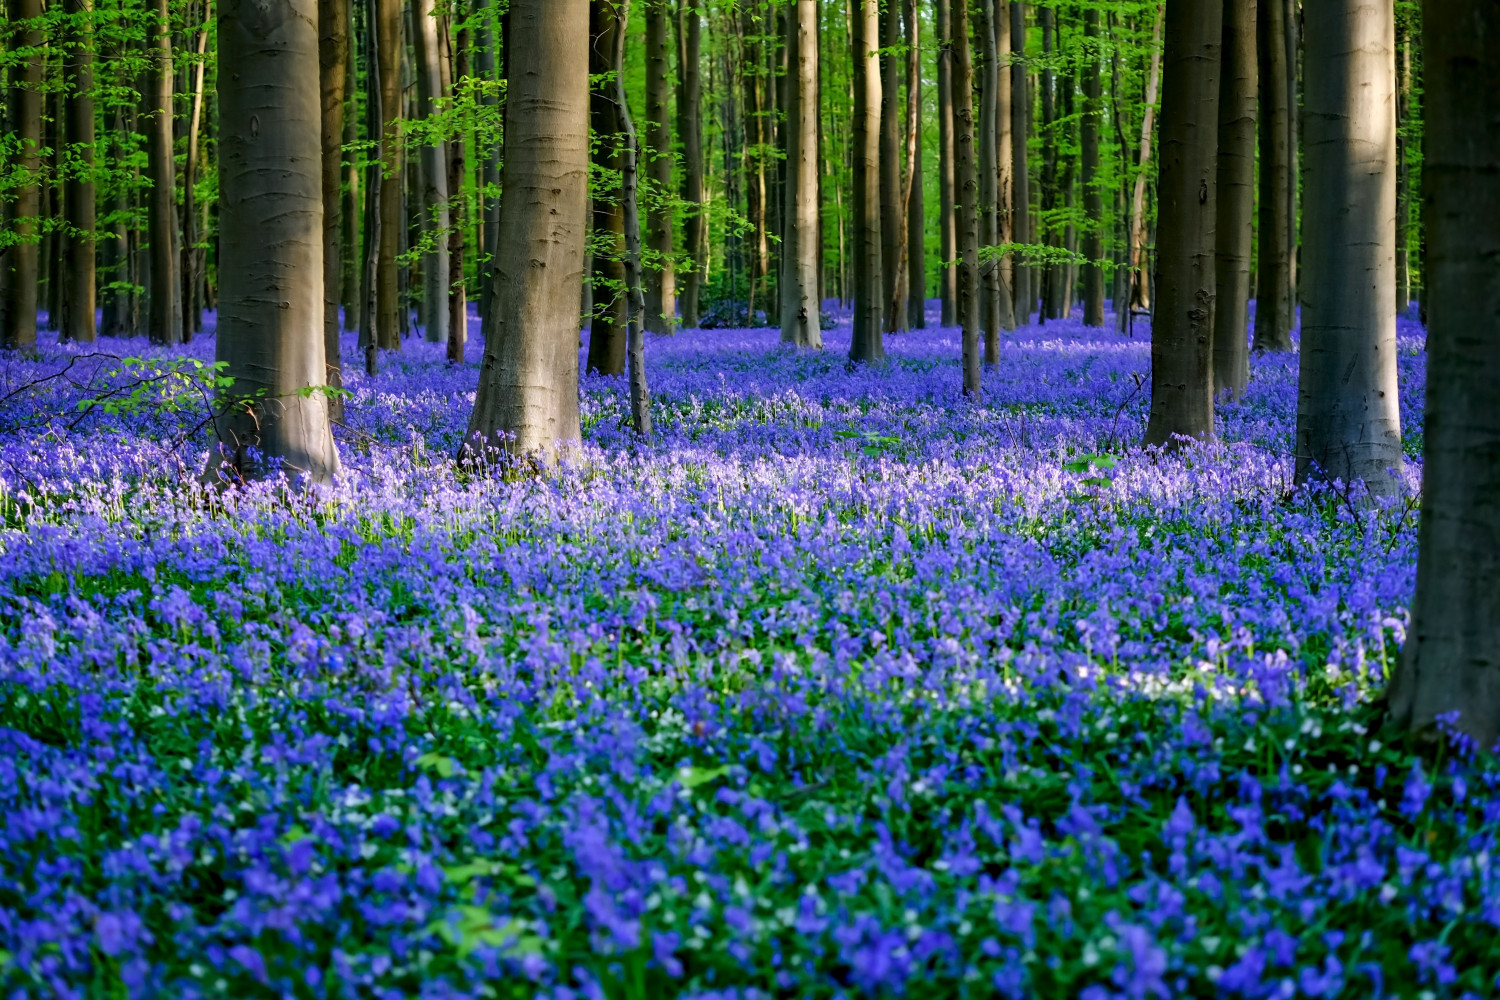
column 1140, row 295
column 967, row 182
column 1273, row 267
column 607, row 327
column 868, row 343
column 165, row 324
column 948, row 255
column 1182, row 388
column 800, row 293
column 388, row 299
column 1093, row 201
column 1236, row 199
column 432, row 201
column 913, row 284
column 1348, row 422
column 661, row 283
column 527, row 402
column 1293, row 42
column 1024, row 289
column 271, row 245
column 635, row 303
column 988, row 177
column 78, row 299
column 1449, row 665
column 21, row 258
column 333, row 72
column 690, row 131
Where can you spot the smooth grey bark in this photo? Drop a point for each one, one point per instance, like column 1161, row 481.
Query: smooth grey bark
column 374, row 207
column 868, row 342
column 271, row 245
column 432, row 202
column 350, row 285
column 916, row 214
column 1182, row 390
column 661, row 279
column 1005, row 173
column 458, row 298
column 22, row 258
column 1403, row 170
column 988, row 178
column 1140, row 282
column 1023, row 293
column 1348, row 421
column 889, row 163
column 333, row 72
column 490, row 35
column 1236, row 199
column 1273, row 267
column 947, row 207
column 1450, row 664
column 635, row 301
column 1093, row 201
column 165, row 322
column 607, row 320
column 388, row 306
column 191, row 263
column 690, row 130
column 967, row 182
column 1050, row 274
column 800, row 294
column 78, row 195
column 527, row 402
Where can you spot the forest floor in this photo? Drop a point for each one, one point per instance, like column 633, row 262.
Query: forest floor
column 843, row 686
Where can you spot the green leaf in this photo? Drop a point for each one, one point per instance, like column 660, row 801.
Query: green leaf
column 692, row 777
column 445, row 767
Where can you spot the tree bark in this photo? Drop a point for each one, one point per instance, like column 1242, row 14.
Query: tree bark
column 1093, row 201
column 889, row 164
column 1449, row 665
column 635, row 304
column 432, row 203
column 1273, row 268
column 800, row 294
column 1403, row 172
column 333, row 71
column 661, row 284
column 1050, row 274
column 165, row 324
column 1236, row 199
column 1140, row 296
column 374, row 208
column 988, row 178
column 115, row 251
column 490, row 34
column 388, row 307
column 1182, row 397
column 868, row 342
column 78, row 197
column 914, row 253
column 1024, row 289
column 189, row 267
column 1005, row 173
column 21, row 259
column 527, row 402
column 690, row 130
column 607, row 327
column 271, row 242
column 458, row 299
column 967, row 182
column 1348, row 422
column 947, row 209
column 350, row 286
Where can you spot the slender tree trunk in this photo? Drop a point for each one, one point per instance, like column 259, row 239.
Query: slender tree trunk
column 271, row 244
column 350, row 290
column 1236, row 199
column 635, row 302
column 165, row 325
column 1449, row 666
column 889, row 163
column 1348, row 422
column 1182, row 396
column 661, row 283
column 1051, row 274
column 375, row 125
column 389, row 306
column 988, row 178
column 458, row 298
column 607, row 329
column 432, row 202
column 916, row 216
column 690, row 130
column 1093, row 201
column 1293, row 41
column 1273, row 268
column 967, row 182
column 1024, row 292
column 1140, row 297
column 948, row 273
column 867, row 343
column 333, row 71
column 751, row 78
column 78, row 310
column 21, row 261
column 800, row 292
column 192, row 320
column 115, row 252
column 1403, row 172
column 528, row 384
column 489, row 156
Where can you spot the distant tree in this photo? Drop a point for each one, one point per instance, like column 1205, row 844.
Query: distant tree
column 165, row 323
column 78, row 198
column 661, row 276
column 965, row 179
column 1277, row 138
column 433, row 204
column 607, row 322
column 1026, row 284
column 1093, row 202
column 800, row 298
column 868, row 344
column 527, row 401
column 690, row 130
column 388, row 24
column 1348, row 420
column 1449, row 664
column 1236, row 199
column 947, row 236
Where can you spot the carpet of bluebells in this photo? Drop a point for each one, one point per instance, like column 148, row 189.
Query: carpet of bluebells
column 842, row 686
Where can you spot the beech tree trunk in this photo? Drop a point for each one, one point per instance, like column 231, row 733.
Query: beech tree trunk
column 333, row 72
column 690, row 130
column 661, row 283
column 1449, row 666
column 635, row 301
column 21, row 258
column 1093, row 201
column 1273, row 267
column 189, row 259
column 889, row 163
column 432, row 203
column 271, row 245
column 607, row 327
column 78, row 197
column 800, row 295
column 527, row 402
column 388, row 304
column 1236, row 200
column 1024, row 290
column 165, row 323
column 1005, row 173
column 867, row 343
column 914, row 253
column 1403, row 172
column 1348, row 422
column 1182, row 390
column 947, row 234
column 458, row 297
column 490, row 35
column 967, row 182
column 1140, row 296
column 988, row 177
column 350, row 285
